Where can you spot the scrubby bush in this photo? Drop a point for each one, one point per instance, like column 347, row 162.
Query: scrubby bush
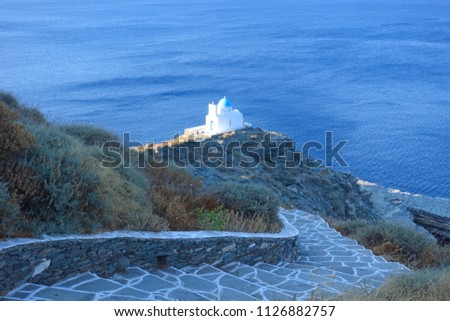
column 27, row 114
column 148, row 222
column 348, row 227
column 23, row 189
column 9, row 100
column 31, row 115
column 14, row 138
column 176, row 195
column 83, row 196
column 424, row 285
column 222, row 219
column 26, row 189
column 237, row 222
column 395, row 242
column 248, row 199
column 52, row 182
column 9, row 213
column 89, row 135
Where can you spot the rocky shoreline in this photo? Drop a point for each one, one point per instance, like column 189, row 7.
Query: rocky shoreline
column 430, row 215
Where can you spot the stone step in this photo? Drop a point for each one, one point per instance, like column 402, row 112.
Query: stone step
column 295, row 279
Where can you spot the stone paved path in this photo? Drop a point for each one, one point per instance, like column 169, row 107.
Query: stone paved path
column 328, row 265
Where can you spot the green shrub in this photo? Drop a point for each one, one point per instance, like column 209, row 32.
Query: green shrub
column 89, row 135
column 211, row 219
column 248, row 199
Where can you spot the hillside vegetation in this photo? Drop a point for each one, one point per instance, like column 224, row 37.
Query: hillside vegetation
column 52, row 182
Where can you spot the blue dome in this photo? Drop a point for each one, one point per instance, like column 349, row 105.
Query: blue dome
column 224, row 102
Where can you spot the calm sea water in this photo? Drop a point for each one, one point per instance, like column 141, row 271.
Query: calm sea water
column 376, row 73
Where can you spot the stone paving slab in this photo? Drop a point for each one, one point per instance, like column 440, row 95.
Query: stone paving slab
column 182, row 294
column 98, row 285
column 76, row 280
column 233, row 282
column 328, row 265
column 152, row 283
column 228, row 294
column 56, row 294
column 197, row 283
column 130, row 292
column 272, row 295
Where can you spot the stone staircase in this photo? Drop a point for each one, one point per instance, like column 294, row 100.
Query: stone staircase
column 328, row 265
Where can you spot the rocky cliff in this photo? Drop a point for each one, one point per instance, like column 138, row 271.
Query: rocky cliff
column 259, row 156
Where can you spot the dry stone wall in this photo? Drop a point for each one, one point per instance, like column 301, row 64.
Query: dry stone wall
column 53, row 258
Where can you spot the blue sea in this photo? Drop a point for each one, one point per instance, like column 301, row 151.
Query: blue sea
column 374, row 72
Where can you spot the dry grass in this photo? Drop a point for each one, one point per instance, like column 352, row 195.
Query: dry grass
column 238, row 222
column 222, row 219
column 424, row 285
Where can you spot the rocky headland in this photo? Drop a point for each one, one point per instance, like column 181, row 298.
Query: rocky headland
column 270, row 158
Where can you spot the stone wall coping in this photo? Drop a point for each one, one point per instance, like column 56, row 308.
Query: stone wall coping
column 287, row 231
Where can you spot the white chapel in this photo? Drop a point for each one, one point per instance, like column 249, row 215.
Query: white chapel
column 221, row 118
